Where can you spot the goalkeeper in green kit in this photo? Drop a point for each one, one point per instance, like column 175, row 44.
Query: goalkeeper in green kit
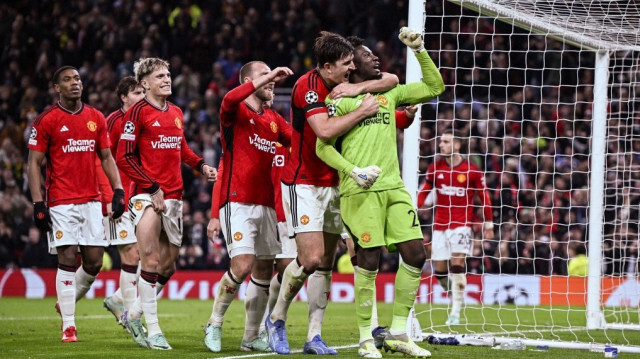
column 376, row 208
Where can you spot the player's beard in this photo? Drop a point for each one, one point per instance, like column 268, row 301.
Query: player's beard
column 264, row 95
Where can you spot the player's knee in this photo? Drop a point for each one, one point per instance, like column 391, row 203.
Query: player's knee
column 416, row 259
column 310, row 264
column 92, row 267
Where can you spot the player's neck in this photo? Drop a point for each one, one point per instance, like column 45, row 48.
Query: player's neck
column 159, row 102
column 453, row 160
column 70, row 105
column 325, row 77
column 254, row 103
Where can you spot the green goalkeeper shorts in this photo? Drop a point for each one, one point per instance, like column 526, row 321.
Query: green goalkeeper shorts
column 383, row 218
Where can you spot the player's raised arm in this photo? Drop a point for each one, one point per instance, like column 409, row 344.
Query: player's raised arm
column 348, row 89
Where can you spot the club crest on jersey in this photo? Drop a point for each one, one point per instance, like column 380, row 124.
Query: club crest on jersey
column 365, row 237
column 58, row 234
column 178, row 123
column 382, row 100
column 138, row 205
column 274, row 127
column 92, row 126
column 461, row 178
column 123, row 234
column 304, row 219
column 311, row 97
column 237, row 236
column 331, row 110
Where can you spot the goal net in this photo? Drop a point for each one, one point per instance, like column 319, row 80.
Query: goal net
column 547, row 95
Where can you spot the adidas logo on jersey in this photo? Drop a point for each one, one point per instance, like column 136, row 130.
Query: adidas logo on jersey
column 64, row 129
column 440, row 176
column 252, row 122
column 156, row 124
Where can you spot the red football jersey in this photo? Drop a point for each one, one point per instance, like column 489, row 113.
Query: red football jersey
column 70, row 142
column 249, row 141
column 304, row 166
column 455, row 188
column 152, row 147
column 115, row 123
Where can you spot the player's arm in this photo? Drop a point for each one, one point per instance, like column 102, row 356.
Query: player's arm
column 213, row 228
column 483, row 193
column 405, row 118
column 427, row 186
column 106, row 193
column 126, row 157
column 41, row 216
column 432, row 84
column 385, row 83
column 284, row 135
column 196, row 162
column 326, row 128
column 110, row 169
column 364, row 177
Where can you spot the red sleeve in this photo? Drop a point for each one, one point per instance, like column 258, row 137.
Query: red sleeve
column 427, row 187
column 483, row 192
column 189, row 157
column 103, row 134
column 39, row 137
column 402, row 120
column 215, row 194
column 104, row 186
column 127, row 159
column 284, row 137
column 115, row 130
column 232, row 101
column 306, row 97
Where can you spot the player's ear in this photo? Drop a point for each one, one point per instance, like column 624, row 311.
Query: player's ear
column 327, row 66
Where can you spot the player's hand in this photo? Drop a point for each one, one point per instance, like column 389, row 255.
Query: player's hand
column 365, row 177
column 279, row 73
column 369, row 105
column 411, row 38
column 213, row 229
column 157, row 200
column 117, row 203
column 345, row 89
column 411, row 111
column 210, row 172
column 41, row 216
column 487, row 231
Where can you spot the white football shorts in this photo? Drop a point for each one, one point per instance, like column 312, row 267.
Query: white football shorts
column 171, row 218
column 289, row 247
column 250, row 229
column 120, row 231
column 76, row 224
column 456, row 240
column 312, row 208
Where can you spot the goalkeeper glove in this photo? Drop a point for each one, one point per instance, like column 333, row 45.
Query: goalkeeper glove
column 117, row 203
column 365, row 177
column 41, row 216
column 411, row 38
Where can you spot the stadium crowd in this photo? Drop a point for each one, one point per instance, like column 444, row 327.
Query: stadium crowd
column 528, row 120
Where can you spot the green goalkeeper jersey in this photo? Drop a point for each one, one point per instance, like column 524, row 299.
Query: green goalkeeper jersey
column 373, row 140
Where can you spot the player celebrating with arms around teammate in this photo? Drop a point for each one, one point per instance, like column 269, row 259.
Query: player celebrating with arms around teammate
column 70, row 134
column 455, row 181
column 309, row 188
column 151, row 149
column 250, row 132
column 121, row 232
column 383, row 214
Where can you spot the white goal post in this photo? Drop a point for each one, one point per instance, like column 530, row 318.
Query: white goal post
column 580, row 59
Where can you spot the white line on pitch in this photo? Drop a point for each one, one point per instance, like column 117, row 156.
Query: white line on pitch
column 292, row 352
column 54, row 317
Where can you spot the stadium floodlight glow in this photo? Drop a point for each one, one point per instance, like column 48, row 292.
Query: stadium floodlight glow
column 549, row 94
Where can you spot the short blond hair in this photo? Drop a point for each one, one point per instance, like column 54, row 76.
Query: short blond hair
column 145, row 66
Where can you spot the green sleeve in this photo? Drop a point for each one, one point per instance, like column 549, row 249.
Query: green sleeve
column 328, row 153
column 431, row 86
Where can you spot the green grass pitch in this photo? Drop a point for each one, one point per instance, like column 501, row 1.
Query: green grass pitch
column 30, row 328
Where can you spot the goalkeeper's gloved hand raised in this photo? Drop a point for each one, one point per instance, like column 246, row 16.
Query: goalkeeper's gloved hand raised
column 365, row 177
column 41, row 216
column 117, row 203
column 411, row 38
